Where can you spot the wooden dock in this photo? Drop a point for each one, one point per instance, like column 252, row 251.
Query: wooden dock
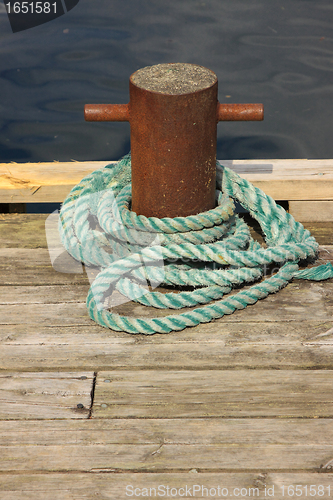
column 238, row 408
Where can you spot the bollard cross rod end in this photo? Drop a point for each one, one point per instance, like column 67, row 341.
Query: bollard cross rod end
column 240, row 112
column 106, row 112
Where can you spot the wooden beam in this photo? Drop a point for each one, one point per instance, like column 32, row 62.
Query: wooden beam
column 171, row 445
column 42, row 182
column 45, row 395
column 314, row 211
column 110, row 485
column 28, row 231
column 281, row 179
column 213, row 393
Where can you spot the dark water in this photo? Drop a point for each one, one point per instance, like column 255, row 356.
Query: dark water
column 271, row 51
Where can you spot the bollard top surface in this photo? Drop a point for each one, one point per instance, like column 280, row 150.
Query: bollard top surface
column 174, row 78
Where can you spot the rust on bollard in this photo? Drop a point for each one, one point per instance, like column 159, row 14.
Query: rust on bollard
column 173, row 113
column 240, row 112
column 106, row 112
column 173, row 140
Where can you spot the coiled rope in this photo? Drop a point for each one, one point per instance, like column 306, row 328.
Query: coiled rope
column 98, row 229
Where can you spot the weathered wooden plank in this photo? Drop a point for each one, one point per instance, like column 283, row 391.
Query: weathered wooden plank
column 33, row 267
column 282, row 333
column 29, row 257
column 45, row 395
column 39, row 258
column 22, row 231
column 292, row 345
column 52, row 173
column 115, row 486
column 321, row 231
column 42, row 182
column 43, row 294
column 59, row 486
column 315, row 211
column 301, row 301
column 277, row 168
column 288, row 179
column 29, row 266
column 185, row 431
column 282, row 179
column 44, row 314
column 213, row 393
column 30, row 175
column 199, row 356
column 165, row 445
column 290, row 188
column 41, row 275
column 28, row 230
column 325, row 254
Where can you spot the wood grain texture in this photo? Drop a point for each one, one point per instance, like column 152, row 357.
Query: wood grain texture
column 316, row 211
column 28, row 230
column 22, row 231
column 45, row 395
column 281, row 179
column 212, row 393
column 42, row 182
column 275, row 345
column 251, row 365
column 47, row 327
column 300, row 301
column 112, row 486
column 125, row 445
column 27, row 266
column 43, row 294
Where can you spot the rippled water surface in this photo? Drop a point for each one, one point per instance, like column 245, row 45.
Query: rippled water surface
column 271, row 51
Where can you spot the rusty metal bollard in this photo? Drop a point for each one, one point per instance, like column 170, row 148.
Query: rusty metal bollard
column 173, row 113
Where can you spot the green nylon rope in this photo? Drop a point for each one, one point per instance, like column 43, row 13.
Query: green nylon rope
column 211, row 252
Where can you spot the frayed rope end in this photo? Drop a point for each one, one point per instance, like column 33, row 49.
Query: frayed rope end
column 319, row 273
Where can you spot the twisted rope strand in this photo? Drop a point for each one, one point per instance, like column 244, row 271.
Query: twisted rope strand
column 98, row 228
